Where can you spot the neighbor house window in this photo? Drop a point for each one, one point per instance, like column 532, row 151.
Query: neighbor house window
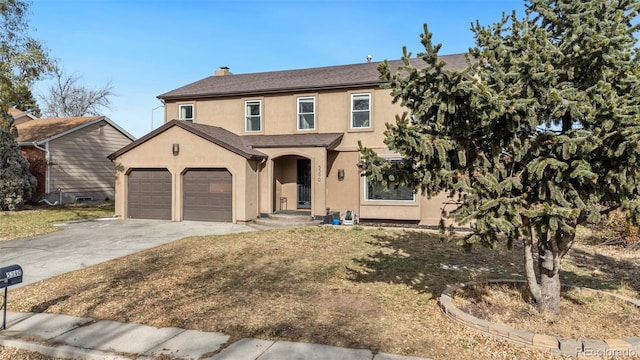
column 186, row 112
column 306, row 113
column 252, row 115
column 360, row 111
column 376, row 191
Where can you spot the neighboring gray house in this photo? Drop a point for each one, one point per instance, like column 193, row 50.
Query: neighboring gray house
column 68, row 156
column 20, row 116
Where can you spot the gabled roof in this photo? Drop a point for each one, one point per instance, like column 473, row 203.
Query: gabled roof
column 321, row 78
column 223, row 138
column 16, row 113
column 241, row 145
column 21, row 116
column 214, row 134
column 41, row 131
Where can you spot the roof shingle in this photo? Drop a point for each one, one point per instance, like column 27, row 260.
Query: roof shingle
column 330, row 77
column 326, row 140
column 42, row 129
column 244, row 146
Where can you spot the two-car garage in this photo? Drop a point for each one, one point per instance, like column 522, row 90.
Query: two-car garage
column 186, row 171
column 206, row 194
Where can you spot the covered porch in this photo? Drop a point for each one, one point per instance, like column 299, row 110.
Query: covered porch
column 294, row 178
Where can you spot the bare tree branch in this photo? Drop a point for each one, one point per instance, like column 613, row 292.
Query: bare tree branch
column 67, row 97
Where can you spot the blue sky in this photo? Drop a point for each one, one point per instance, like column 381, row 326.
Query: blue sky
column 148, row 47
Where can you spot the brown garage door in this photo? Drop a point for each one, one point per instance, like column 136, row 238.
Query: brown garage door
column 207, row 195
column 149, row 195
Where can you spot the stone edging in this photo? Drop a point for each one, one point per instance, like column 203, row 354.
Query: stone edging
column 629, row 346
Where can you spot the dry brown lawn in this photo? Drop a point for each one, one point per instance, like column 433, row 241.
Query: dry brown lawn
column 371, row 288
column 584, row 314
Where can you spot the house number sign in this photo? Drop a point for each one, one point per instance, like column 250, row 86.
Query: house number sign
column 9, row 275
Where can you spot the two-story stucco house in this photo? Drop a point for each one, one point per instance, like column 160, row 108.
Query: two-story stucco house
column 241, row 146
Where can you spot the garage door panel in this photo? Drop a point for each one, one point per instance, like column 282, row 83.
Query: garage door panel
column 207, row 195
column 149, row 194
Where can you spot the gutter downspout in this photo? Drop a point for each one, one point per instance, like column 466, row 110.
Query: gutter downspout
column 262, row 162
column 47, row 156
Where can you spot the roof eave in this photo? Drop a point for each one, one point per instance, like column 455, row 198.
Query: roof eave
column 81, row 126
column 335, row 142
column 29, row 143
column 222, row 144
column 270, row 91
column 188, row 128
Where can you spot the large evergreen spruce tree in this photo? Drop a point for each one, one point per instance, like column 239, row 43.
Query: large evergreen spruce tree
column 539, row 134
column 22, row 61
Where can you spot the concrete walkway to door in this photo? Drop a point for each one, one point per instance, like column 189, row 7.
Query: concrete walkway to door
column 85, row 243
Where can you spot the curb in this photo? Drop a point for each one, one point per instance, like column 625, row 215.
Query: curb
column 629, row 346
column 63, row 351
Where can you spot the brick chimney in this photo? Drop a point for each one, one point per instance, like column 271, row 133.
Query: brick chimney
column 224, row 70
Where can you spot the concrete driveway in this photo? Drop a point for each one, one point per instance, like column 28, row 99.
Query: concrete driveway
column 85, row 243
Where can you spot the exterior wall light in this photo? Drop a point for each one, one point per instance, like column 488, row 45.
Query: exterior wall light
column 176, row 149
column 340, row 174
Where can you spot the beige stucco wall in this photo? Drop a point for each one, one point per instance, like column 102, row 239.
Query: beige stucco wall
column 333, row 111
column 195, row 152
column 343, row 194
column 285, row 177
column 279, row 114
column 432, row 208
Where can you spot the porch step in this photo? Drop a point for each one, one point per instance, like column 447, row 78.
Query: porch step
column 285, row 221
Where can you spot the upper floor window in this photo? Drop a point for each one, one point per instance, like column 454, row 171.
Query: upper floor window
column 252, row 115
column 306, row 113
column 360, row 111
column 186, row 112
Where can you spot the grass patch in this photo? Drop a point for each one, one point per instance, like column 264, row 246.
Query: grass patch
column 371, row 288
column 39, row 220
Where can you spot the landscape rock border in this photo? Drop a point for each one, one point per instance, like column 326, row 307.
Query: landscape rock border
column 629, row 346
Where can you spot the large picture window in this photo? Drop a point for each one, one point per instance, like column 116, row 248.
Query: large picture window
column 252, row 115
column 376, row 191
column 360, row 111
column 306, row 113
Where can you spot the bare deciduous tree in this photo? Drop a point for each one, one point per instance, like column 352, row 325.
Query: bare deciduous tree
column 68, row 97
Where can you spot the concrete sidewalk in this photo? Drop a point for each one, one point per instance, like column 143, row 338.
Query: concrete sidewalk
column 65, row 336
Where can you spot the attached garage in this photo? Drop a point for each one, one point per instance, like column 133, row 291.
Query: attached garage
column 149, row 194
column 186, row 171
column 207, row 195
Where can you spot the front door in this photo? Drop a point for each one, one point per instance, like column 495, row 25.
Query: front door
column 304, row 184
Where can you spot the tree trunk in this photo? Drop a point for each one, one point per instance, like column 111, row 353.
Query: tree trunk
column 549, row 269
column 532, row 280
column 551, row 249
